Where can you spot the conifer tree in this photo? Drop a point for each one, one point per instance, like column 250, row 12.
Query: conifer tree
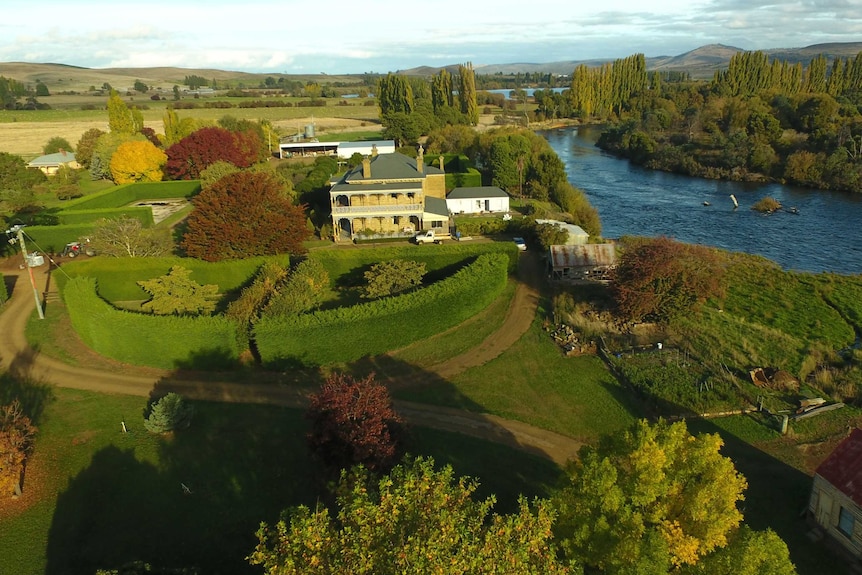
column 467, row 93
column 169, row 413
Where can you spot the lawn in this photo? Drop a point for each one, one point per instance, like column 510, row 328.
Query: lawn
column 96, row 497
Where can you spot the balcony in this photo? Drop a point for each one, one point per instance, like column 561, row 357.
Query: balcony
column 383, row 209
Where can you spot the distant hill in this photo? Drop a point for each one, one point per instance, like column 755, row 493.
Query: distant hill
column 700, row 63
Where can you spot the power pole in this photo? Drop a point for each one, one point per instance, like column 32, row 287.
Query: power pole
column 20, row 231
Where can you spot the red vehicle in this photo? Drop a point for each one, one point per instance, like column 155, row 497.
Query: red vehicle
column 74, row 249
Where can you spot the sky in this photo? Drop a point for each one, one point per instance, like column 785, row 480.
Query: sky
column 350, row 37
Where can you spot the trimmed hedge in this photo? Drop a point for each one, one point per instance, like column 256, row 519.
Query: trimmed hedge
column 142, row 213
column 347, row 334
column 117, row 277
column 469, row 179
column 52, row 239
column 124, row 195
column 167, row 342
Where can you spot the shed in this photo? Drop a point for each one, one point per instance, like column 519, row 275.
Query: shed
column 581, row 262
column 50, row 164
column 367, row 148
column 477, row 200
column 836, row 494
column 577, row 235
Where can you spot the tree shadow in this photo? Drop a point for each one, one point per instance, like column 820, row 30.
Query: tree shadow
column 16, row 382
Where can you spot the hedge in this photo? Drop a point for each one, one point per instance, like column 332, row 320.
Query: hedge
column 124, row 195
column 347, row 334
column 469, row 179
column 117, row 277
column 167, row 342
column 142, row 213
column 52, row 239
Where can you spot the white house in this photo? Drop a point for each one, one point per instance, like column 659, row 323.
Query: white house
column 478, row 200
column 51, row 163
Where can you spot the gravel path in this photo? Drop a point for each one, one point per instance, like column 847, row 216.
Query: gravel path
column 19, row 358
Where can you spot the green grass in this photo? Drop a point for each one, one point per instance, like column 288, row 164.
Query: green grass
column 533, row 382
column 103, row 498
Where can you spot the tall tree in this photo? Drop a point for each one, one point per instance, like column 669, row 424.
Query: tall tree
column 416, row 520
column 394, row 94
column 86, row 145
column 353, row 422
column 649, row 500
column 138, row 161
column 17, row 433
column 467, row 93
column 120, row 118
column 244, row 214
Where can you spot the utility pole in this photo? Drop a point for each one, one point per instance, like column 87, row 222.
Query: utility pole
column 20, row 231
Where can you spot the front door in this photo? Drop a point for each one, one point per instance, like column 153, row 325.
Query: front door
column 824, row 509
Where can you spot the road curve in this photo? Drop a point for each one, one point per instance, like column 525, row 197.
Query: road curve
column 20, row 359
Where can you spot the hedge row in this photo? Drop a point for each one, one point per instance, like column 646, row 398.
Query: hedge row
column 117, row 278
column 126, row 194
column 469, row 179
column 52, row 239
column 340, row 263
column 347, row 334
column 142, row 213
column 167, row 342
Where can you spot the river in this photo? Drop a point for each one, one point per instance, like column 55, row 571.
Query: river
column 823, row 236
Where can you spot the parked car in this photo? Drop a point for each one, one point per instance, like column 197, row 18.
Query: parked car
column 520, row 243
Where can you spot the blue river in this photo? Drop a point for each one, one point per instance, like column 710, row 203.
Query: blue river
column 823, row 234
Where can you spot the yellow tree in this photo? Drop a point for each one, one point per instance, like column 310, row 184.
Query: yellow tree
column 137, row 162
column 649, row 500
column 16, row 441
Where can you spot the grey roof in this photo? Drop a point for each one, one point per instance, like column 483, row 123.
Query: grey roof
column 390, row 167
column 476, row 193
column 56, row 159
column 342, row 188
column 436, row 206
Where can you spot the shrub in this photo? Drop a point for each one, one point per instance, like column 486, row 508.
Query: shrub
column 168, row 413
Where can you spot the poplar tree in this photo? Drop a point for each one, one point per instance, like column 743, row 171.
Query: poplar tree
column 815, row 77
column 120, row 118
column 467, row 93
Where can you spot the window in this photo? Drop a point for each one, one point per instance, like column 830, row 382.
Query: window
column 846, row 521
column 437, row 225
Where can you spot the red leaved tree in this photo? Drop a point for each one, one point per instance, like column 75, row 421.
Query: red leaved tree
column 353, row 422
column 244, row 214
column 202, row 148
column 659, row 278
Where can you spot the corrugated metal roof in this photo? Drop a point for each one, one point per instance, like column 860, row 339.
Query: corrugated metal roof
column 582, row 255
column 390, row 167
column 476, row 193
column 56, row 159
column 843, row 467
column 436, row 207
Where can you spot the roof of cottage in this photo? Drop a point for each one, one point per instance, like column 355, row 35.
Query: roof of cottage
column 56, row 159
column 843, row 467
column 476, row 193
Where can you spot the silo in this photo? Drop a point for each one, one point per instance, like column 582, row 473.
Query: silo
column 309, row 131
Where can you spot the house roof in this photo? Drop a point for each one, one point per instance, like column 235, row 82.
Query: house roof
column 582, row 255
column 393, row 166
column 476, row 193
column 843, row 467
column 389, row 187
column 575, row 231
column 56, row 159
column 436, row 206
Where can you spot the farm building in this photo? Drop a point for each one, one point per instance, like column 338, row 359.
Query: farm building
column 836, row 494
column 297, row 146
column 478, row 200
column 581, row 262
column 51, row 163
column 577, row 235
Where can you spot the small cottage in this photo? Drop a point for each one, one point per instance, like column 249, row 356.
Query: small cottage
column 477, row 200
column 836, row 494
column 50, row 163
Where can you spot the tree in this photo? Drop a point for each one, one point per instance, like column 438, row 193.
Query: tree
column 353, row 422
column 392, row 277
column 467, row 93
column 649, row 500
column 177, row 294
column 244, row 214
column 127, row 237
column 104, row 150
column 246, row 309
column 120, row 118
column 551, row 234
column 659, row 278
column 56, row 144
column 202, row 148
column 416, row 520
column 168, row 413
column 16, row 441
column 748, row 553
column 303, row 290
column 138, row 161
column 140, row 86
column 86, row 145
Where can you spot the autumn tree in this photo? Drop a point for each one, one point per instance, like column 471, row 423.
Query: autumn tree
column 659, row 278
column 303, row 289
column 418, row 519
column 138, row 161
column 127, row 237
column 177, row 294
column 392, row 277
column 16, row 441
column 353, row 422
column 244, row 214
column 121, row 118
column 648, row 500
column 86, row 146
column 197, row 151
column 749, row 552
column 104, row 150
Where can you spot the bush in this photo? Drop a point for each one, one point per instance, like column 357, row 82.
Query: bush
column 168, row 413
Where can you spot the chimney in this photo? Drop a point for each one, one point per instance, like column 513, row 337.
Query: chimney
column 440, row 160
column 420, row 161
column 366, row 168
column 373, row 150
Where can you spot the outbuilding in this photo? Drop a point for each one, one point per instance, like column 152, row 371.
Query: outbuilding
column 835, row 505
column 477, row 200
column 581, row 262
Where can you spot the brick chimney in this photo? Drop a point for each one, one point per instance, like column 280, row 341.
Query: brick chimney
column 366, row 168
column 374, row 150
column 420, row 161
column 440, row 160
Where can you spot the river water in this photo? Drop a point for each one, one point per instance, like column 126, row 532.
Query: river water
column 823, row 236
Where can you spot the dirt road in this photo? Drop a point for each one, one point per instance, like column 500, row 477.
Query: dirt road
column 19, row 358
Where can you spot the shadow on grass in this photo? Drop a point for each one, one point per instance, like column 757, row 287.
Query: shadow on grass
column 776, row 498
column 244, row 459
column 34, row 396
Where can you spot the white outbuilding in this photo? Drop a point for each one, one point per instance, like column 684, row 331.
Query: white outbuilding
column 477, row 200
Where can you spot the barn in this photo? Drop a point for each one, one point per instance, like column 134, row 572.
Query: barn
column 581, row 262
